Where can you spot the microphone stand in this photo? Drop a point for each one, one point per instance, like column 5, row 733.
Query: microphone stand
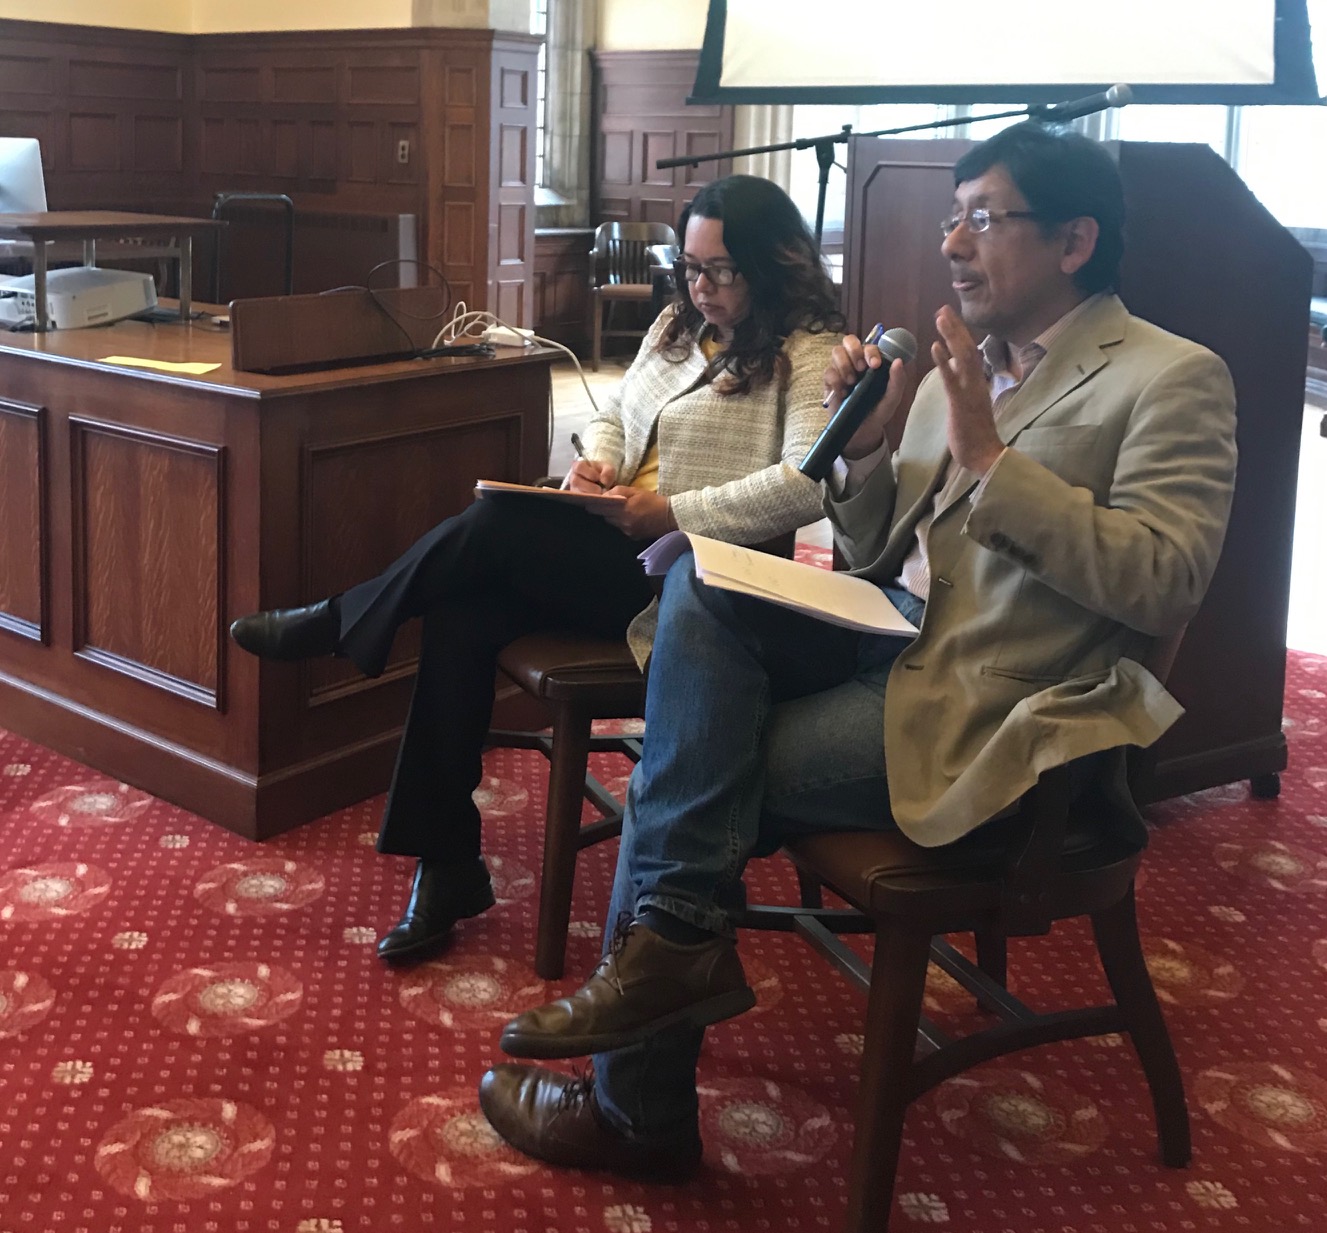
column 824, row 148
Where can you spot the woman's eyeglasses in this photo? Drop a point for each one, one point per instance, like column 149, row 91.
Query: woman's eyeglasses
column 719, row 275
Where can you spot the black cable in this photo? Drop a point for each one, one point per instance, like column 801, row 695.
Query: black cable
column 375, row 296
column 445, row 288
column 479, row 348
column 380, row 306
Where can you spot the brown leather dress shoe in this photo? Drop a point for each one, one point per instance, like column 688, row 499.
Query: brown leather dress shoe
column 556, row 1118
column 290, row 633
column 643, row 985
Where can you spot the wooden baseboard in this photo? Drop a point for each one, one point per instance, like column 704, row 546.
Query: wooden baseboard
column 1266, row 755
column 256, row 807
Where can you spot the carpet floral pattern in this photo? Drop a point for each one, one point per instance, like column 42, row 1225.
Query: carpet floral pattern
column 195, row 1035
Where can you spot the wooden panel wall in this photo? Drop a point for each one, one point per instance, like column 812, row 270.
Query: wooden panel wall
column 511, row 186
column 110, row 108
column 642, row 116
column 434, row 123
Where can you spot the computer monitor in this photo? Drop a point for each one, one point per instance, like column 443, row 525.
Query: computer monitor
column 22, row 185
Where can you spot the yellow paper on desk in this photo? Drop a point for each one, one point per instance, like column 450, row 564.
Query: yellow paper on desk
column 193, row 369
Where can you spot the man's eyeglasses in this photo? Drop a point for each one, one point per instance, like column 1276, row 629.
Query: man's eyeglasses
column 980, row 219
column 719, row 275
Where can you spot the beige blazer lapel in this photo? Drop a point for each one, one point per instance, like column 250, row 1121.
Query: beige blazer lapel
column 914, row 504
column 1074, row 357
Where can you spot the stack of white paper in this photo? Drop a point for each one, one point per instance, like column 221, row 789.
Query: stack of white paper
column 825, row 594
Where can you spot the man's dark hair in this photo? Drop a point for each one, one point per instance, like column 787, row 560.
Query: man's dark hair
column 1062, row 176
column 770, row 243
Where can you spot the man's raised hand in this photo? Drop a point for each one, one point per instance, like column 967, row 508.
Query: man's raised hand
column 973, row 440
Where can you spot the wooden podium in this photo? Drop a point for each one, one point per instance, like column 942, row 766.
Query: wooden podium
column 1202, row 259
column 143, row 509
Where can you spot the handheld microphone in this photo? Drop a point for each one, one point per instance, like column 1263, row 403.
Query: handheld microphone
column 895, row 345
column 1060, row 113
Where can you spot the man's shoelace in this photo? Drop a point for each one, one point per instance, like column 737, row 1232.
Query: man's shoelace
column 607, row 969
column 577, row 1091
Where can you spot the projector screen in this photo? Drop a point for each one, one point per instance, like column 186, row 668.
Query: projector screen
column 1032, row 51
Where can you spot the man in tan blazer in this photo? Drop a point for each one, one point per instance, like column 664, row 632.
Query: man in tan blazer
column 1057, row 502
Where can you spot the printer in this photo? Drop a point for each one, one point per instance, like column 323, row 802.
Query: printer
column 76, row 297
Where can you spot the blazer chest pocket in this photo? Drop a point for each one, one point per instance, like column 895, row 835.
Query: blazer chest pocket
column 1069, row 450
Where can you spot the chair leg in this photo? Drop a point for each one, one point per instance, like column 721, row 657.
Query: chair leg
column 898, row 978
column 992, row 959
column 562, row 824
column 1116, row 931
column 596, row 353
column 809, row 889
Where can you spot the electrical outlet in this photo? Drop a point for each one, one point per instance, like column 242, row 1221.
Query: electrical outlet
column 403, row 151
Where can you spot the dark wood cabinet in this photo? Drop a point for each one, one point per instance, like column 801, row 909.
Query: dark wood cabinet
column 562, row 285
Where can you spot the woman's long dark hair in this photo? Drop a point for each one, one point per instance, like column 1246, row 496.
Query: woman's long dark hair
column 769, row 242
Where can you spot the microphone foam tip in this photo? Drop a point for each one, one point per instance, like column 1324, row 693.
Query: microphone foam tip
column 899, row 344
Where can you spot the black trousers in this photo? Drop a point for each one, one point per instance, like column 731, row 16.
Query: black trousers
column 503, row 568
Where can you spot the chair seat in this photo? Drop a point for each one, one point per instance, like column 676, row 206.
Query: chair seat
column 596, row 673
column 884, row 873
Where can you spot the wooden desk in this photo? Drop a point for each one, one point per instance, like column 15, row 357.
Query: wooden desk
column 141, row 512
column 89, row 226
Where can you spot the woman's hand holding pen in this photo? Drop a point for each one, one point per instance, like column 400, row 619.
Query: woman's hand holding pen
column 642, row 515
column 585, row 474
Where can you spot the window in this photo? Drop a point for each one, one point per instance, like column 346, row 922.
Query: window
column 1280, row 159
column 1274, row 149
column 539, row 25
column 1212, row 126
column 819, row 121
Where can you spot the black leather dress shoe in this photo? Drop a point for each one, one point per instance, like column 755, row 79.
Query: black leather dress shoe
column 556, row 1118
column 291, row 633
column 443, row 893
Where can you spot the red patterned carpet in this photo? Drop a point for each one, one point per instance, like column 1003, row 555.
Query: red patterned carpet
column 195, row 1035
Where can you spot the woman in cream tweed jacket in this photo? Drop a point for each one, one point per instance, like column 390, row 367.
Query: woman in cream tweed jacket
column 709, row 441
column 705, row 434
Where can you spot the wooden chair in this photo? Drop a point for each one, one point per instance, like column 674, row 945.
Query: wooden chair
column 578, row 680
column 621, row 270
column 1057, row 856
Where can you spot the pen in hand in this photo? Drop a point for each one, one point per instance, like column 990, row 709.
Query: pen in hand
column 580, row 453
column 871, row 340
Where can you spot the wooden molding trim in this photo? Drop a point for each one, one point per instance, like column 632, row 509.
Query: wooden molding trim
column 20, row 466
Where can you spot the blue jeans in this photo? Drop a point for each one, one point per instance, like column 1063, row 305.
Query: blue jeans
column 761, row 723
